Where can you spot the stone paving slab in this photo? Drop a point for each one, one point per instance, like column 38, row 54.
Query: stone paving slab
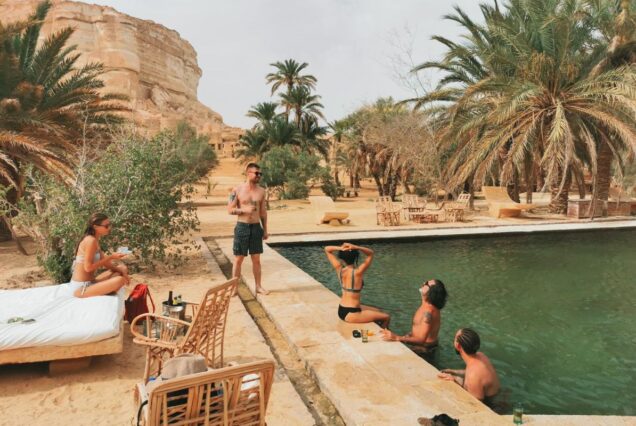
column 244, row 343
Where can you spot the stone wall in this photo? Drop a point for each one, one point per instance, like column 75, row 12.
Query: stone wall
column 146, row 61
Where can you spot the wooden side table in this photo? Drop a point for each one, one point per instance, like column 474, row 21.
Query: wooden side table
column 411, row 211
column 425, row 217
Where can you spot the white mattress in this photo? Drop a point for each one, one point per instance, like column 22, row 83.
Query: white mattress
column 60, row 318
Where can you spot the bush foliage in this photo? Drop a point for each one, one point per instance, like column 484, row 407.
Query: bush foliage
column 287, row 172
column 143, row 185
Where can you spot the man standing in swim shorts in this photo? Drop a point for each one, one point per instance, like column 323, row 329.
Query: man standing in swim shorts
column 247, row 201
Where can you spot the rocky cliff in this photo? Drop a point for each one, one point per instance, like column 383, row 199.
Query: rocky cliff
column 146, row 61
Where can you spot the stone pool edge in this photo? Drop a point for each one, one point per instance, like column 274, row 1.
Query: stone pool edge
column 358, row 377
column 448, row 232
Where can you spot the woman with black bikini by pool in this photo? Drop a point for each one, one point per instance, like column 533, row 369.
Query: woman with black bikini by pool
column 351, row 279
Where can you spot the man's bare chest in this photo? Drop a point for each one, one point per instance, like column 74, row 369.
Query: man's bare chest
column 249, row 197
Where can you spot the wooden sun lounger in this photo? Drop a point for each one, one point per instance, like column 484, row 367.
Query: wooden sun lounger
column 326, row 211
column 65, row 358
column 500, row 204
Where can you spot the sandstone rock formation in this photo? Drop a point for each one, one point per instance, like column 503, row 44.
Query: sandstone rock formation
column 146, row 61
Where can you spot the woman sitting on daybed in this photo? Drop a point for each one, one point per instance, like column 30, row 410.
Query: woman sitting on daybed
column 89, row 258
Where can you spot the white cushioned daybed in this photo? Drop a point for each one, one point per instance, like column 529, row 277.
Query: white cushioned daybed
column 65, row 327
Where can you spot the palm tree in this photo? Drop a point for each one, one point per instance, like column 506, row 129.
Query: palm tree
column 252, row 145
column 313, row 136
column 618, row 26
column 300, row 100
column 288, row 74
column 264, row 112
column 48, row 106
column 521, row 93
column 279, row 132
column 338, row 130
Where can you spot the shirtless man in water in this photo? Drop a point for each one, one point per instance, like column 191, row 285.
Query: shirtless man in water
column 247, row 201
column 426, row 321
column 479, row 378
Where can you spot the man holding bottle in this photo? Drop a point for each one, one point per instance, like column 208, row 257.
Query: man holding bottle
column 247, row 202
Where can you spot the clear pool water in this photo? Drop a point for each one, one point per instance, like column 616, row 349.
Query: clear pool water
column 556, row 311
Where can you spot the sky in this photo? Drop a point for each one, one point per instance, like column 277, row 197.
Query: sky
column 357, row 49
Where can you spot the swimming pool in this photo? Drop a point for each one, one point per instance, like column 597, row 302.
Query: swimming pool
column 556, row 311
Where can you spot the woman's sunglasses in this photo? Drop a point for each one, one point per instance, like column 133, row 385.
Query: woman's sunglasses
column 105, row 225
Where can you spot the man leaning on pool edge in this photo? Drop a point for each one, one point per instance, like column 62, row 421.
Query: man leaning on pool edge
column 247, row 202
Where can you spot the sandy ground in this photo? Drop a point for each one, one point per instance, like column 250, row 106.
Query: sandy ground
column 102, row 394
column 298, row 216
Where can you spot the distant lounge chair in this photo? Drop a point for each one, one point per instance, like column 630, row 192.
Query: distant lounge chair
column 236, row 395
column 203, row 336
column 500, row 204
column 326, row 211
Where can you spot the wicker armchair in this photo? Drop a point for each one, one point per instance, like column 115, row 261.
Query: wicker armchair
column 455, row 211
column 387, row 212
column 166, row 337
column 235, row 395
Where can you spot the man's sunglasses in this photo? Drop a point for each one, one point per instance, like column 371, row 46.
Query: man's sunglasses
column 257, row 173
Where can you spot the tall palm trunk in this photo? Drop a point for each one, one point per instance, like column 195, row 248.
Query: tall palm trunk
column 559, row 201
column 5, row 232
column 603, row 170
column 529, row 178
column 513, row 189
column 378, row 183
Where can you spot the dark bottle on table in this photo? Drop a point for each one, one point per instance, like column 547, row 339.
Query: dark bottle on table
column 170, row 298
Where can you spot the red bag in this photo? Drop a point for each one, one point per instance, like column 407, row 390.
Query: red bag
column 136, row 303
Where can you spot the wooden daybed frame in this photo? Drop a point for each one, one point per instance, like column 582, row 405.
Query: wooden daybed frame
column 59, row 356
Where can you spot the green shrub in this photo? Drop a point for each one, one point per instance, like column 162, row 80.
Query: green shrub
column 287, row 172
column 295, row 190
column 143, row 185
column 193, row 149
column 329, row 187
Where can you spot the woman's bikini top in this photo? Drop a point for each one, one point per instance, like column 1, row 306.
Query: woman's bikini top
column 353, row 280
column 80, row 259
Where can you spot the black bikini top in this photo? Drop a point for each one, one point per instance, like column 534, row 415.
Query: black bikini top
column 353, row 280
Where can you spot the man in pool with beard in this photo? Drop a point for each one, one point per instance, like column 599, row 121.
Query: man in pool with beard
column 479, row 378
column 426, row 321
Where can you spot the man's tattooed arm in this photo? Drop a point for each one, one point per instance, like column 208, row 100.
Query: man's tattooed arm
column 232, row 204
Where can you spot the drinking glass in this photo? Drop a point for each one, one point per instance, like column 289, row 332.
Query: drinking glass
column 517, row 413
column 365, row 335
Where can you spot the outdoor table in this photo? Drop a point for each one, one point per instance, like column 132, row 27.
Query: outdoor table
column 425, row 217
column 411, row 211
